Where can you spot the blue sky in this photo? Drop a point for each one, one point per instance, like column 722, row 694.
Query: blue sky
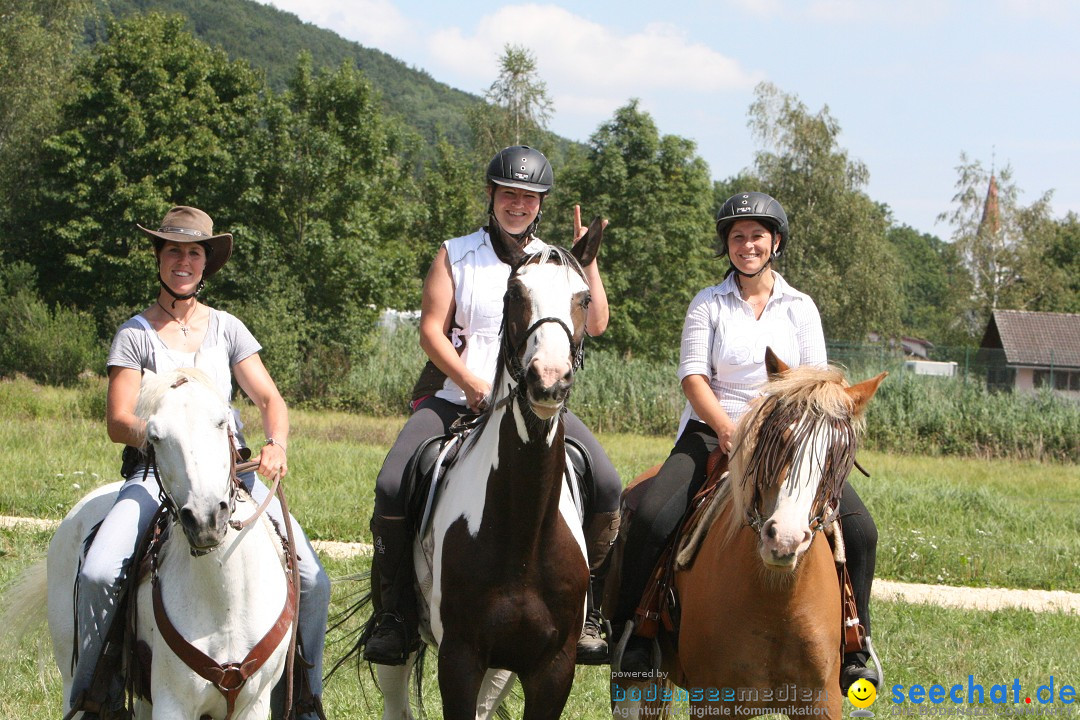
column 912, row 84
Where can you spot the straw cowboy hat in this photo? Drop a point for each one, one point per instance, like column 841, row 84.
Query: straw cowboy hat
column 185, row 224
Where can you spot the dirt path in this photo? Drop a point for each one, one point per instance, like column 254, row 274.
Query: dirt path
column 941, row 595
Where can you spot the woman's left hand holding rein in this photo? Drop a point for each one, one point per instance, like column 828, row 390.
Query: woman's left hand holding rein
column 253, row 378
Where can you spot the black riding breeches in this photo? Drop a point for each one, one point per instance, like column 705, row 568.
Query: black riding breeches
column 860, row 541
column 659, row 512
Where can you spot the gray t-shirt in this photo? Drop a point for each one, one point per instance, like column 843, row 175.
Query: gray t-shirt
column 228, row 341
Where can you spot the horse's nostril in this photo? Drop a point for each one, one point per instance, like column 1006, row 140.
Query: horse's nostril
column 187, row 517
column 223, row 506
column 770, row 531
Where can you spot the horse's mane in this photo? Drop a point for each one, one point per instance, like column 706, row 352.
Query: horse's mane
column 153, row 388
column 764, row 446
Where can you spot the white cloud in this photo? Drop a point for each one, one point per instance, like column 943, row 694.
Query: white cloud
column 374, row 23
column 575, row 55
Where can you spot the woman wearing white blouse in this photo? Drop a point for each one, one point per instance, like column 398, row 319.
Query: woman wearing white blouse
column 721, row 368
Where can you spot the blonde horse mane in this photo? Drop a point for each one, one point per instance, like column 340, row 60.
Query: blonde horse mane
column 805, row 391
column 154, row 386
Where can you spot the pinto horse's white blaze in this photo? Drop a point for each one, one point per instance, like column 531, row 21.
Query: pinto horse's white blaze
column 551, row 290
column 786, row 532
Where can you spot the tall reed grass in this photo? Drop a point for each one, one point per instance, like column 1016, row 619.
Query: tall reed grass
column 910, row 413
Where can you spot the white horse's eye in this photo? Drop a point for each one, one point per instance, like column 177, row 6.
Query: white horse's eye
column 153, row 435
column 222, row 423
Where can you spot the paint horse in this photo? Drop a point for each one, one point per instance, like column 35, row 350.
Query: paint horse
column 501, row 567
column 217, row 623
column 759, row 604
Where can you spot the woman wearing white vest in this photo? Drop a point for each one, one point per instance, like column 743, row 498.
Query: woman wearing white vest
column 179, row 331
column 459, row 330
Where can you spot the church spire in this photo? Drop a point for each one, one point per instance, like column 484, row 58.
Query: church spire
column 991, row 217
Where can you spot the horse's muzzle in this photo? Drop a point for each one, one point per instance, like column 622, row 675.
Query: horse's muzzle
column 781, row 548
column 547, row 391
column 205, row 531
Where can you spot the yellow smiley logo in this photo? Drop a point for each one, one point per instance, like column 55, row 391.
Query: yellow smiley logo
column 862, row 693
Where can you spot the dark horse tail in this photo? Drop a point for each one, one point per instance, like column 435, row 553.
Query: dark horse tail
column 343, row 628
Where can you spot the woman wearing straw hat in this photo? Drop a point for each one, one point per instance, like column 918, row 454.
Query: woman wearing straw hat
column 179, row 331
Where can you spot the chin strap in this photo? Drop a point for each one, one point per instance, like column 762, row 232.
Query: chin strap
column 749, row 275
column 176, row 297
column 772, row 254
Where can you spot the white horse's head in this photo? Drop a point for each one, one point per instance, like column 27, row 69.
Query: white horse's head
column 546, row 304
column 793, row 452
column 187, row 427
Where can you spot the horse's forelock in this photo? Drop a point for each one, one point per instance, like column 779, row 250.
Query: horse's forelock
column 759, row 441
column 153, row 389
column 551, row 254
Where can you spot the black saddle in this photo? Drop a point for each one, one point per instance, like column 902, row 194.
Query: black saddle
column 421, row 468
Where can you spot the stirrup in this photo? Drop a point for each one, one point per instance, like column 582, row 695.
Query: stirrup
column 391, row 624
column 620, row 649
column 850, row 674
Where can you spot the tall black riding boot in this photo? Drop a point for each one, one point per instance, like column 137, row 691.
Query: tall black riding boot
column 600, row 533
column 395, row 634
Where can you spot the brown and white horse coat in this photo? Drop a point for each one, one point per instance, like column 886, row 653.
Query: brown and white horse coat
column 502, row 567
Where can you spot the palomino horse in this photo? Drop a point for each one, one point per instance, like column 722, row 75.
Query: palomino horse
column 501, row 568
column 759, row 606
column 229, row 610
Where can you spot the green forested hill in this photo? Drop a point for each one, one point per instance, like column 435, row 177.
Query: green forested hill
column 270, row 40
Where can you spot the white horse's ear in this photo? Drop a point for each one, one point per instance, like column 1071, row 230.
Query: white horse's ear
column 860, row 394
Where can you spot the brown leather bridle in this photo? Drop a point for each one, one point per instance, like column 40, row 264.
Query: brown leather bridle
column 229, row 678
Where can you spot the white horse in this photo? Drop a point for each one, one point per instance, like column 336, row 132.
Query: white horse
column 501, row 568
column 220, row 603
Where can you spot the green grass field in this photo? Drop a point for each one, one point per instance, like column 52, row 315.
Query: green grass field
column 941, row 520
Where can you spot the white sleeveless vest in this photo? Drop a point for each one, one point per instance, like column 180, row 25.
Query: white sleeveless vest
column 479, row 285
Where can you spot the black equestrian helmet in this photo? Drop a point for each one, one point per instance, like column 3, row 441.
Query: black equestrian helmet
column 752, row 206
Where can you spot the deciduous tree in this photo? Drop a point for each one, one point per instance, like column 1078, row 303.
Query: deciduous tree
column 993, row 231
column 838, row 252
column 658, row 249
column 935, row 288
column 37, row 43
column 156, row 119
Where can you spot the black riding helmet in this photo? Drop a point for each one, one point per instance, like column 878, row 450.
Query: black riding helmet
column 753, row 206
column 521, row 166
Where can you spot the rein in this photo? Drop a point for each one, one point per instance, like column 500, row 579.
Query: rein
column 230, row 677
